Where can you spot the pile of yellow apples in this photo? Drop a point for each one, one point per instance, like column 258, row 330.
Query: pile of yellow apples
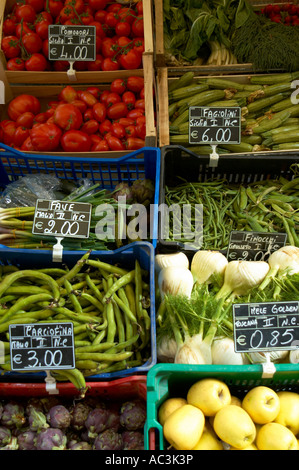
column 211, row 418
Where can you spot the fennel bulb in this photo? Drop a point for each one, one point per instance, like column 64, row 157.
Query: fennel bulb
column 283, row 261
column 241, row 276
column 294, row 356
column 189, row 352
column 166, row 349
column 261, row 357
column 175, row 280
column 223, row 352
column 208, row 266
column 173, row 259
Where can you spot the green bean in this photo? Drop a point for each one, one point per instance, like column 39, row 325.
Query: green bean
column 11, row 278
column 124, row 307
column 119, row 322
column 111, row 332
column 99, row 357
column 75, row 269
column 24, row 303
column 95, row 347
column 121, row 282
column 93, row 301
column 73, row 298
column 94, row 288
column 100, row 336
column 107, row 267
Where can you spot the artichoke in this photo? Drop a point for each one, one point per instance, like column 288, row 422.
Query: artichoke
column 82, row 445
column 133, row 440
column 59, row 417
column 96, row 421
column 143, row 191
column 79, row 413
column 13, row 415
column 5, row 436
column 108, row 440
column 51, row 439
column 133, row 415
column 27, row 439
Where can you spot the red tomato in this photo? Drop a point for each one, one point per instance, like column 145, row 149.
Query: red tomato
column 138, row 27
column 45, row 137
column 101, row 146
column 88, row 98
column 135, row 83
column 99, row 29
column 61, row 65
column 117, row 111
column 67, row 13
column 124, row 41
column 134, row 143
column 129, row 99
column 67, row 116
column 99, row 112
column 25, row 13
column 54, row 6
column 32, row 42
column 103, row 96
column 21, row 104
column 130, row 60
column 114, row 143
column 126, row 14
column 140, row 104
column 105, row 127
column 41, row 28
column 90, row 127
column 68, row 94
column 9, row 129
column 16, row 64
column 109, row 64
column 46, row 16
column 27, row 145
column 88, row 114
column 86, row 17
column 22, row 29
column 97, row 4
column 118, row 130
column 10, row 47
column 37, row 5
column 131, row 131
column 76, row 141
column 135, row 113
column 111, row 19
column 80, row 65
column 140, row 130
column 95, row 138
column 125, row 121
column 100, row 16
column 37, row 63
column 139, row 8
column 95, row 91
column 123, row 28
column 109, row 47
column 118, row 85
column 40, row 118
column 9, row 27
column 25, row 120
column 80, row 105
column 138, row 45
column 114, row 6
column 112, row 98
column 20, row 135
column 78, row 5
column 95, row 65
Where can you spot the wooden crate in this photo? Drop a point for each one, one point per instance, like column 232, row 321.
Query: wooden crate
column 165, row 75
column 160, row 60
column 79, row 76
column 50, row 91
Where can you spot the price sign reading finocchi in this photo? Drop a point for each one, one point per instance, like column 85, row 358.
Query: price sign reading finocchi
column 42, row 346
column 214, row 125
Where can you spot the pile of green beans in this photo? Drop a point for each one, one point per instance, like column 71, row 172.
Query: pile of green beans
column 270, row 112
column 270, row 205
column 108, row 306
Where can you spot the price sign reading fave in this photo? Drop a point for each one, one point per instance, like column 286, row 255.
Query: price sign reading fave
column 214, row 126
column 62, row 219
column 42, row 346
column 266, row 326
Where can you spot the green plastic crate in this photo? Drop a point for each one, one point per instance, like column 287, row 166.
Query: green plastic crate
column 174, row 380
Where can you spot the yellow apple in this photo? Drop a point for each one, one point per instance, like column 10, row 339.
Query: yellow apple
column 275, row 436
column 234, row 426
column 208, row 440
column 289, row 410
column 209, row 395
column 262, row 404
column 250, row 447
column 168, row 407
column 236, row 401
column 184, row 427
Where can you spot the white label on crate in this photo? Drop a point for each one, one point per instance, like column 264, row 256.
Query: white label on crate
column 2, row 92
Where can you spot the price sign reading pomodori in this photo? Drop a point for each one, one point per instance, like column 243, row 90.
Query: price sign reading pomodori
column 266, row 326
column 214, row 126
column 254, row 246
column 72, row 42
column 62, row 219
column 42, row 346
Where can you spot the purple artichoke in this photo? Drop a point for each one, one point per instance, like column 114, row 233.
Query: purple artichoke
column 143, row 190
column 13, row 415
column 123, row 190
column 82, row 445
column 51, row 439
column 5, row 436
column 36, row 418
column 59, row 417
column 133, row 440
column 108, row 440
column 113, row 421
column 48, row 402
column 12, row 445
column 96, row 421
column 133, row 415
column 27, row 439
column 35, row 403
column 79, row 413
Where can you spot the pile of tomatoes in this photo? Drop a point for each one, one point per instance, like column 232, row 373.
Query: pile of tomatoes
column 119, row 34
column 287, row 13
column 90, row 120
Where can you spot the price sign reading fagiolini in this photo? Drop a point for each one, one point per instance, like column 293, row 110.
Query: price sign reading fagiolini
column 62, row 218
column 42, row 346
column 72, row 42
column 266, row 326
column 214, row 126
column 254, row 246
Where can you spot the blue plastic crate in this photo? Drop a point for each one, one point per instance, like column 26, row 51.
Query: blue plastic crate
column 108, row 172
column 124, row 257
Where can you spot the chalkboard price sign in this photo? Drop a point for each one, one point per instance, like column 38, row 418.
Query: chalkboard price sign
column 266, row 326
column 72, row 42
column 254, row 246
column 214, row 126
column 62, row 219
column 42, row 346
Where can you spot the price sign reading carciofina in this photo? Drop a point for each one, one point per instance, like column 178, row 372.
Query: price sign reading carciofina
column 214, row 125
column 72, row 42
column 42, row 346
column 254, row 246
column 266, row 326
column 62, row 218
